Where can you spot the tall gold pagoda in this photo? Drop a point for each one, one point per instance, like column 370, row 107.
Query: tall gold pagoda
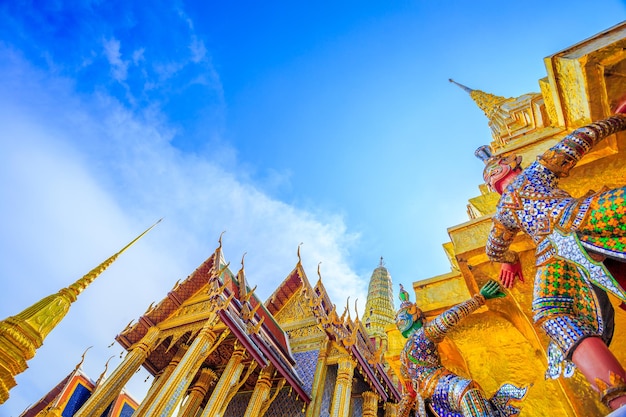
column 379, row 308
column 21, row 335
column 499, row 342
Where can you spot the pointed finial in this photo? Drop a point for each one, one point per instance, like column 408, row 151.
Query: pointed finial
column 319, row 274
column 382, row 263
column 466, row 89
column 241, row 279
column 299, row 259
column 82, row 359
column 106, row 366
column 487, row 102
column 78, row 287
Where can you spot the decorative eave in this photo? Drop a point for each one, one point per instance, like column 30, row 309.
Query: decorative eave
column 352, row 336
column 385, row 389
column 262, row 343
column 180, row 293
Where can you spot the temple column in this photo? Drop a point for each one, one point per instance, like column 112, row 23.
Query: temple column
column 261, row 393
column 175, row 386
column 229, row 378
column 197, row 393
column 104, row 394
column 343, row 387
column 317, row 392
column 370, row 404
column 391, row 410
column 158, row 382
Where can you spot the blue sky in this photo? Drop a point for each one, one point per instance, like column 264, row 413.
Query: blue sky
column 330, row 124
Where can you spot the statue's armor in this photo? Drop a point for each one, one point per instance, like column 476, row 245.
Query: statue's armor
column 568, row 300
column 447, row 393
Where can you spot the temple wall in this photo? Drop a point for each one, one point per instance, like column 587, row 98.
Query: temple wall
column 285, row 405
column 305, row 366
column 329, row 388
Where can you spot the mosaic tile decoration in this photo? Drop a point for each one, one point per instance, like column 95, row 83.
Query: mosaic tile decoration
column 329, row 388
column 285, row 405
column 127, row 411
column 306, row 362
column 356, row 406
column 237, row 406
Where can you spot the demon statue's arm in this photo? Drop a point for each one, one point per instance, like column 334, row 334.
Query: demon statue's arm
column 437, row 328
column 500, row 238
column 565, row 155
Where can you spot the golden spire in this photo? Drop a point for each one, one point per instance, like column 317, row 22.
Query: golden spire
column 488, row 103
column 21, row 335
column 379, row 307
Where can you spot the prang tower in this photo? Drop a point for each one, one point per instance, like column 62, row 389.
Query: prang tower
column 379, row 307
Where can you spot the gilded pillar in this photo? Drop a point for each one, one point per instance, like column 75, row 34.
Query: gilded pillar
column 261, row 393
column 343, row 387
column 197, row 393
column 175, row 386
column 158, row 382
column 104, row 394
column 319, row 378
column 370, row 404
column 229, row 378
column 391, row 410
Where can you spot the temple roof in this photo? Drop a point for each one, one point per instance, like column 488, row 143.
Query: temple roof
column 248, row 320
column 181, row 292
column 293, row 283
column 47, row 399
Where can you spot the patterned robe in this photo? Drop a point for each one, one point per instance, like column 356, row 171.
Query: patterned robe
column 569, row 299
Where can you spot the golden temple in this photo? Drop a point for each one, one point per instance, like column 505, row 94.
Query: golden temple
column 215, row 349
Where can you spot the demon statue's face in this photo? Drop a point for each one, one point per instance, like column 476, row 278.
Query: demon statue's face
column 499, row 169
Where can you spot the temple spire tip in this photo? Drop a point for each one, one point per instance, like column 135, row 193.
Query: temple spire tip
column 464, row 88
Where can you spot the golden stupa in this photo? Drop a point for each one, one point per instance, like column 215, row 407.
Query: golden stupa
column 499, row 343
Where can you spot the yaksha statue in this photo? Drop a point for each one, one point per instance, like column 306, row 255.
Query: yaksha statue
column 430, row 387
column 581, row 244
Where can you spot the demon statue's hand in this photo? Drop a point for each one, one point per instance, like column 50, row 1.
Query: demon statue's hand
column 492, row 290
column 509, row 272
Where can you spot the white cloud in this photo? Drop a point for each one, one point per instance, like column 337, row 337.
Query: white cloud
column 138, row 56
column 119, row 67
column 82, row 176
column 198, row 50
